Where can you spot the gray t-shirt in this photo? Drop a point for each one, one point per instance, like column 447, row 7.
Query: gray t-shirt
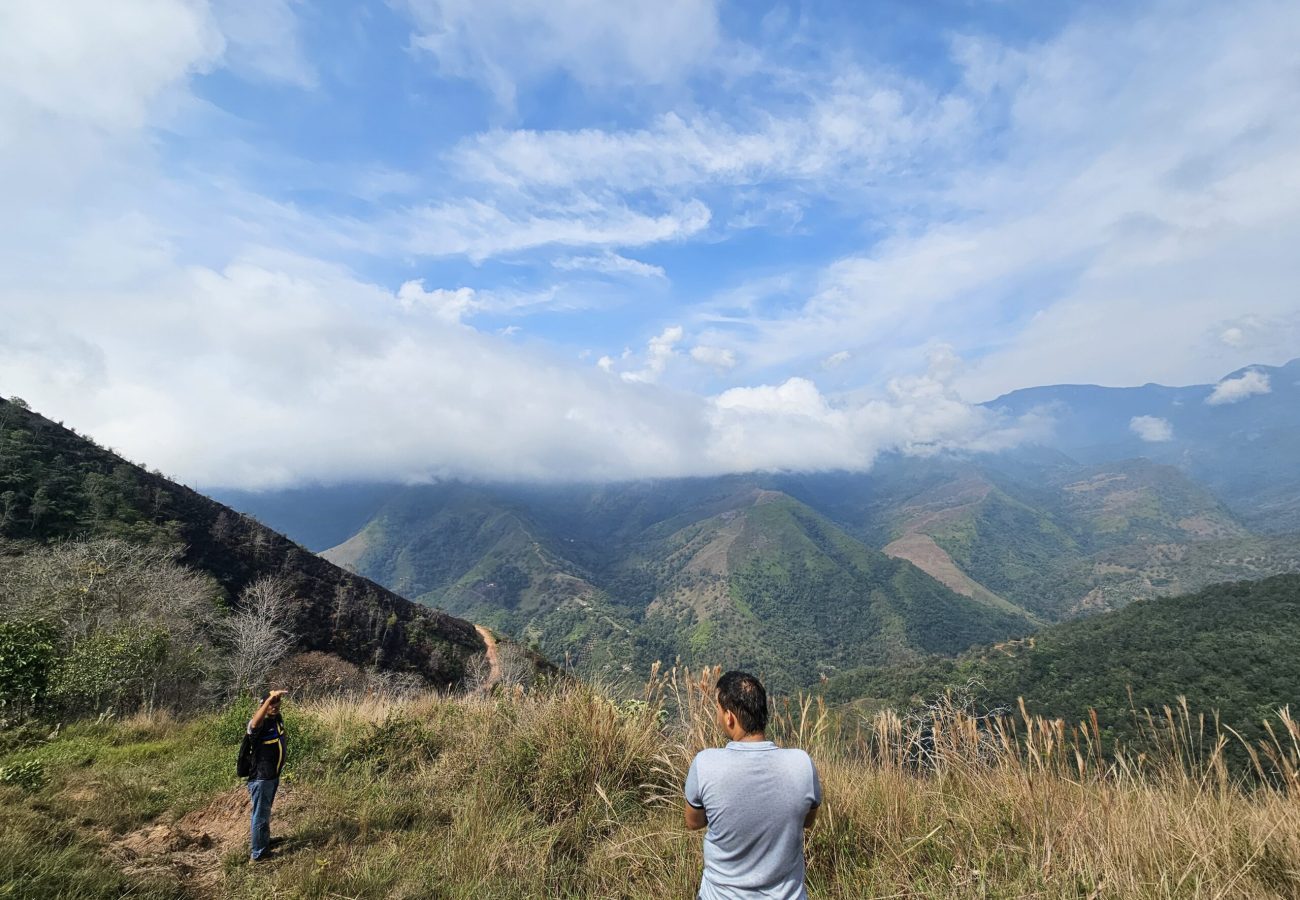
column 756, row 796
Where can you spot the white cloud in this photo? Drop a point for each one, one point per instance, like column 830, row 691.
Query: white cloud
column 481, row 230
column 599, row 43
column 1145, row 172
column 609, row 263
column 717, row 357
column 836, row 359
column 792, row 426
column 1151, row 429
column 1233, row 337
column 103, row 64
column 263, row 40
column 856, row 124
column 448, row 305
column 1234, row 390
column 659, row 352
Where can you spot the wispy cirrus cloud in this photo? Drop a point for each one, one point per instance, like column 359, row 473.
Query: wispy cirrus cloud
column 609, row 263
column 211, row 259
column 598, row 44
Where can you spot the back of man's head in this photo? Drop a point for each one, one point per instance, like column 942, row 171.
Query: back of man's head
column 742, row 695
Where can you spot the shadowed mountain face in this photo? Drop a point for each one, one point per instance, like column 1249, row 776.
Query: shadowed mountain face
column 57, row 485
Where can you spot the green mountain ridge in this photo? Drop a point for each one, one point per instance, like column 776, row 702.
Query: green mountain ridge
column 742, row 575
column 1228, row 648
column 57, row 485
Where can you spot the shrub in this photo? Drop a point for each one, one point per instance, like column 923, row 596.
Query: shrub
column 111, row 669
column 315, row 674
column 26, row 655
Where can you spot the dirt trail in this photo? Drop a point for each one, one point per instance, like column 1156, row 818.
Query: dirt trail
column 192, row 848
column 494, row 666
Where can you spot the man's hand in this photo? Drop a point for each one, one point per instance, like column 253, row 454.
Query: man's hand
column 695, row 818
column 272, row 697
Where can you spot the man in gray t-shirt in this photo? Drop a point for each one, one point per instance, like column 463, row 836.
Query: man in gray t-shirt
column 756, row 800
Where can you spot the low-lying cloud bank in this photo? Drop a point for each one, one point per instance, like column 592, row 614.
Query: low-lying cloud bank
column 282, row 370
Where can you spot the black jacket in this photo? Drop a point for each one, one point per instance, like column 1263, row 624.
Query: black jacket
column 270, row 749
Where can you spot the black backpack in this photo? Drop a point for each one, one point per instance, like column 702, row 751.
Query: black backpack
column 244, row 763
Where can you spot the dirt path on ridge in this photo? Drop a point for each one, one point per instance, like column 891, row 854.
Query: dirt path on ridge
column 494, row 666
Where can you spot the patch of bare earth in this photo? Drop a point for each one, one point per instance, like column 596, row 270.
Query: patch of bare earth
column 494, row 661
column 191, row 848
column 922, row 551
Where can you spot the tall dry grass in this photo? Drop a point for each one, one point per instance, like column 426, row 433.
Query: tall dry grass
column 574, row 791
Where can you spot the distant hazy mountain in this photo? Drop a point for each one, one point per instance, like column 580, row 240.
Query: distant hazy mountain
column 1240, row 439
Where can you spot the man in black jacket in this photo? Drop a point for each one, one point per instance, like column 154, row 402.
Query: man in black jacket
column 266, row 729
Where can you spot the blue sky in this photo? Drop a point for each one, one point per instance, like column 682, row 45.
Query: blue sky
column 260, row 242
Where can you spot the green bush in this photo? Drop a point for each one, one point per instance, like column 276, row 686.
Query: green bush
column 110, row 668
column 26, row 656
column 399, row 744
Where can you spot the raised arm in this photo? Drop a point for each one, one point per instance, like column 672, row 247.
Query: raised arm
column 256, row 722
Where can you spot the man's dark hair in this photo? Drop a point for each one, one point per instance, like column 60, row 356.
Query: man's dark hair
column 742, row 694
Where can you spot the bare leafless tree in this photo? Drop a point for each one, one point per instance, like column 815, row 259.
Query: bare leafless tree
column 514, row 665
column 258, row 634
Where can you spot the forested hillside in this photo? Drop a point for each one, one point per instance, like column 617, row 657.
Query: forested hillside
column 56, row 486
column 1229, row 648
column 614, row 578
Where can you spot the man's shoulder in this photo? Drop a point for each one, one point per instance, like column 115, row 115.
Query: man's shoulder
column 709, row 754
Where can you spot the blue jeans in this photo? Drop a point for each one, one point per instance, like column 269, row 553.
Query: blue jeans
column 262, row 792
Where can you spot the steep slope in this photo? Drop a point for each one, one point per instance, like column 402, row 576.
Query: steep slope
column 1066, row 539
column 55, row 484
column 1229, row 647
column 476, row 553
column 778, row 586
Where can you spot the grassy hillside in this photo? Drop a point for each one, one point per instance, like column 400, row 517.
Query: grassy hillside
column 571, row 793
column 57, row 485
column 779, row 588
column 1230, row 648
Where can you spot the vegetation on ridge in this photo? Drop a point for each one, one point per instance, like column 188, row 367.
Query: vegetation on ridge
column 58, row 486
column 1229, row 649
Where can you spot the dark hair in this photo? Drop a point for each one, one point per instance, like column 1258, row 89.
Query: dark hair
column 742, row 694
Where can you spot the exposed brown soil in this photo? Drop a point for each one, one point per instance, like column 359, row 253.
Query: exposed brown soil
column 494, row 664
column 191, row 848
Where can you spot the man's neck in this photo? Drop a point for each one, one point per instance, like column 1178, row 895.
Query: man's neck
column 752, row 737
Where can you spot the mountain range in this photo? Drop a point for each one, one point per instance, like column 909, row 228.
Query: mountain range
column 1139, row 492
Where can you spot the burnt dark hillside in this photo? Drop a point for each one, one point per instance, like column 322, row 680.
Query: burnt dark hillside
column 57, row 485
